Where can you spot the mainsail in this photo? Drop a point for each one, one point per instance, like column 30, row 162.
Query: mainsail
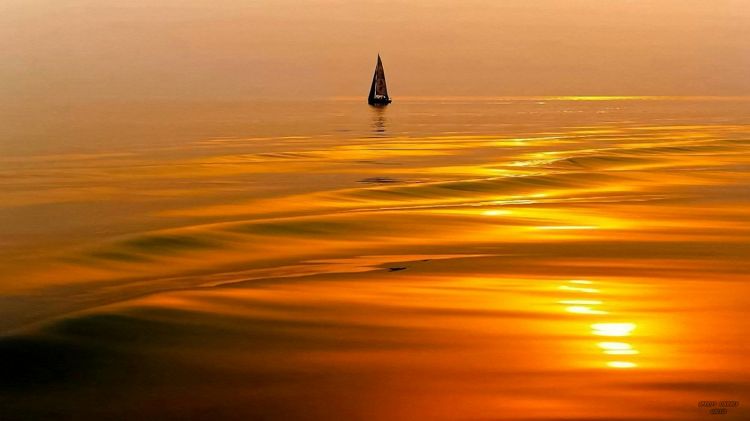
column 378, row 89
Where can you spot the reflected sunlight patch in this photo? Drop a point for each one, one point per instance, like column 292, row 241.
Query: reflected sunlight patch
column 617, row 348
column 620, row 364
column 581, row 302
column 579, row 289
column 583, row 310
column 612, row 329
column 495, row 212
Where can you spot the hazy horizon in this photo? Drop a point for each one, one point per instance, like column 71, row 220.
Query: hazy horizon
column 229, row 49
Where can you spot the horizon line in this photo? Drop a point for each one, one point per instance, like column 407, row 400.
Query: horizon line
column 553, row 97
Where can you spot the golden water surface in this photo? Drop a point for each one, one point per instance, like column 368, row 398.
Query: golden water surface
column 458, row 258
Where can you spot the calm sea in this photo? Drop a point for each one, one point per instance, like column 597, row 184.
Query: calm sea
column 438, row 259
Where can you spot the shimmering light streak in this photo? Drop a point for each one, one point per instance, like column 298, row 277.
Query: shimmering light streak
column 621, row 364
column 614, row 345
column 579, row 289
column 613, row 329
column 580, row 302
column 583, row 310
column 495, row 212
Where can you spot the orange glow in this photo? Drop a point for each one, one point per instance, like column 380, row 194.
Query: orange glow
column 440, row 259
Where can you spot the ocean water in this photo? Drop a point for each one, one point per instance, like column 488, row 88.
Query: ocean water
column 568, row 258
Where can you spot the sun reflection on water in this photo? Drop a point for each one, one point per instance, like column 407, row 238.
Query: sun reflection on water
column 495, row 212
column 612, row 329
column 617, row 348
column 621, row 364
column 589, row 307
column 583, row 310
column 579, row 289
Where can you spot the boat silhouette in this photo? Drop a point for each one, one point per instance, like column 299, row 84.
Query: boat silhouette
column 378, row 90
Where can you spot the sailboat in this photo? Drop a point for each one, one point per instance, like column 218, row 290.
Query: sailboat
column 378, row 90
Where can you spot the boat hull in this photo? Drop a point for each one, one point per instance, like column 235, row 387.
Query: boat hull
column 379, row 101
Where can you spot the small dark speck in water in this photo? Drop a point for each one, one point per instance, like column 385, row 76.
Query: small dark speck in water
column 375, row 180
column 397, row 268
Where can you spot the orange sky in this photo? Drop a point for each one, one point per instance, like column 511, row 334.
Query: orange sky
column 235, row 49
